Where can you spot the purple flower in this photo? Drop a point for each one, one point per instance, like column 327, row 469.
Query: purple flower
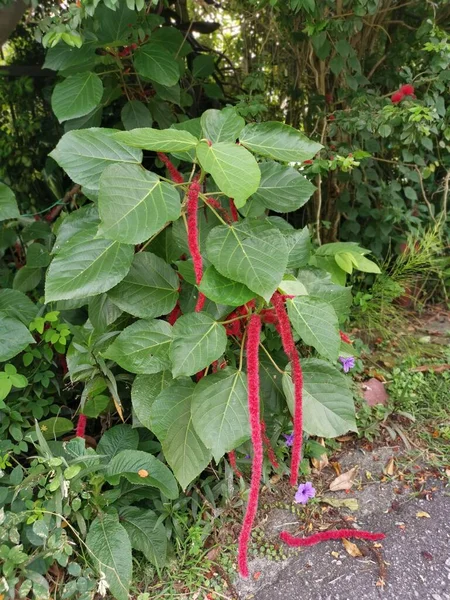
column 347, row 363
column 304, row 493
column 289, row 437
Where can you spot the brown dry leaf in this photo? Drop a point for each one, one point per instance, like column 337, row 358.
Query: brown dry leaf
column 336, row 466
column 351, row 548
column 335, row 554
column 422, row 514
column 389, row 469
column 213, row 553
column 350, row 503
column 275, row 479
column 344, row 481
column 345, row 438
column 322, row 462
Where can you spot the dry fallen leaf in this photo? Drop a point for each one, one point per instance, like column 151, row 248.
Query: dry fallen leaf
column 344, row 481
column 337, row 467
column 422, row 514
column 351, row 548
column 350, row 503
column 335, row 554
column 389, row 469
column 322, row 462
column 447, row 472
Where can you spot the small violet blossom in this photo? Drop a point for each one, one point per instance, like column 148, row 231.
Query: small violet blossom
column 289, row 437
column 347, row 363
column 304, row 493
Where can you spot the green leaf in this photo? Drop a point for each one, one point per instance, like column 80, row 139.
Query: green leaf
column 158, row 140
column 222, row 125
column 118, row 438
column 85, row 153
column 77, row 96
column 222, row 290
column 337, row 63
column 319, row 286
column 142, row 468
column 198, row 340
column 282, row 189
column 252, row 252
column 70, row 59
column 134, row 204
column 203, row 66
column 15, row 304
column 87, row 265
column 233, row 168
column 14, row 337
column 115, row 23
column 136, row 114
column 144, row 392
column 143, row 347
column 27, row 279
column 95, row 406
column 8, row 204
column 278, row 141
column 55, row 427
column 37, row 256
column 5, row 387
column 156, row 63
column 109, row 544
column 149, row 290
column 299, row 246
column 317, row 324
column 219, row 411
column 147, row 534
column 328, row 409
column 170, row 93
column 344, row 260
column 102, row 312
column 385, row 130
column 365, row 265
column 171, row 421
column 79, row 220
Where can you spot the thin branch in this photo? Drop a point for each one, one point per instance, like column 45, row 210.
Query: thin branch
column 427, row 202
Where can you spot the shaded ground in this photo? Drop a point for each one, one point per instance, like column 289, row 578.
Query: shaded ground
column 412, row 562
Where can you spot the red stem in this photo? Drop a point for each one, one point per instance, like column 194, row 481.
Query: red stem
column 296, row 542
column 253, row 338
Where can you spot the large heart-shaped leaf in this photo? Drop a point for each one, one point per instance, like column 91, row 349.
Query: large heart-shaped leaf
column 87, row 265
column 156, row 63
column 146, row 532
column 328, row 409
column 102, row 312
column 299, row 246
column 142, row 468
column 17, row 305
column 118, row 438
column 158, row 140
column 319, row 286
column 109, row 544
column 70, row 59
column 77, row 96
column 143, row 347
column 14, row 338
column 222, row 290
column 77, row 221
column 135, row 204
column 233, row 168
column 136, row 114
column 219, row 411
column 171, row 421
column 85, row 153
column 282, row 189
column 317, row 324
column 150, row 289
column 144, row 392
column 252, row 252
column 278, row 141
column 198, row 340
column 8, row 204
column 222, row 125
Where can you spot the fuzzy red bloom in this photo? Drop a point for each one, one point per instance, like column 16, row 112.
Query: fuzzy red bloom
column 307, row 162
column 200, row 302
column 270, row 453
column 193, row 243
column 296, row 542
column 81, row 426
column 233, row 210
column 287, row 339
column 233, row 465
column 345, row 338
column 173, row 316
column 216, row 204
column 253, row 338
column 407, row 89
column 397, row 97
column 175, row 175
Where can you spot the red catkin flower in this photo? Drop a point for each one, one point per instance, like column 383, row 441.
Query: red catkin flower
column 175, row 175
column 344, row 337
column 233, row 210
column 193, row 243
column 397, row 97
column 296, row 542
column 173, row 316
column 407, row 90
column 287, row 339
column 216, row 204
column 81, row 426
column 200, row 302
column 253, row 338
column 233, row 465
column 270, row 453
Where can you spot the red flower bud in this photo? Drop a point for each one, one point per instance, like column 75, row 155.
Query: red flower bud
column 407, row 90
column 397, row 97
